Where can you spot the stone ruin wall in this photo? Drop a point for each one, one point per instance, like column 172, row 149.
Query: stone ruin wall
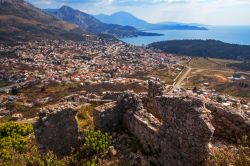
column 179, row 137
column 182, row 133
column 57, row 129
column 155, row 88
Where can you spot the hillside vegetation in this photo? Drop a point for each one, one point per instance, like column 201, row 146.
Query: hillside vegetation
column 204, row 48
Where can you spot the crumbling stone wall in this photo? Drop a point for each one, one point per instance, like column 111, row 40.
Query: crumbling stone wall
column 186, row 130
column 107, row 117
column 56, row 129
column 155, row 88
column 181, row 139
column 229, row 123
column 173, row 130
column 111, row 95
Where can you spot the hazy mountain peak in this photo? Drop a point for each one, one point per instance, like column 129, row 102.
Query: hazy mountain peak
column 128, row 19
column 123, row 13
column 65, row 7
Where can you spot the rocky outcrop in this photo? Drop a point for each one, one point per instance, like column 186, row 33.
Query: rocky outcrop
column 56, row 129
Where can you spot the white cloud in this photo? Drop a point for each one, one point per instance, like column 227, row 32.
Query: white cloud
column 219, row 12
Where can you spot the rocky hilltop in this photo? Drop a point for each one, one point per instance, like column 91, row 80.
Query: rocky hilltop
column 173, row 130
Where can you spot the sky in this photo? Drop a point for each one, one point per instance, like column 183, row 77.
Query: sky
column 209, row 12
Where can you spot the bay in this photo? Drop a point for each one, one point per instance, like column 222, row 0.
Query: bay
column 229, row 34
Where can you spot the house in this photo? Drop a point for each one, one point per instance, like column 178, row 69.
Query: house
column 17, row 116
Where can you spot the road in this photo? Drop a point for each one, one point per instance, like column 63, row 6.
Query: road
column 177, row 85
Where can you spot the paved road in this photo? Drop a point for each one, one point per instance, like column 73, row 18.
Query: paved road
column 177, row 85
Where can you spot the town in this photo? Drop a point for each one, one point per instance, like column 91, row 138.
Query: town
column 94, row 66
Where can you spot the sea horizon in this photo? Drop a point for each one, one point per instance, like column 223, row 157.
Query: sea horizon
column 228, row 34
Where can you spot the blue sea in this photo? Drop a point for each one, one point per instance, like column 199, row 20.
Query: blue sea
column 232, row 34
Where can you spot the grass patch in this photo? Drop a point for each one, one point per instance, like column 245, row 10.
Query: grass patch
column 85, row 117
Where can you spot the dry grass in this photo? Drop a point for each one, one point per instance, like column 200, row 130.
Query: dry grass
column 219, row 81
column 67, row 26
column 164, row 75
column 224, row 61
column 17, row 20
column 85, row 117
column 233, row 155
column 203, row 63
column 230, row 157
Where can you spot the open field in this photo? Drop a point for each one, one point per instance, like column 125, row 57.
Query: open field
column 205, row 63
column 166, row 74
column 224, row 61
column 215, row 73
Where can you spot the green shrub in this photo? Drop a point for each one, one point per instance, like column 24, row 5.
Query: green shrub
column 13, row 137
column 95, row 147
column 18, row 148
column 97, row 142
column 13, row 129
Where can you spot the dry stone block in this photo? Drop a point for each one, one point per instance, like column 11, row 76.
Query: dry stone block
column 56, row 129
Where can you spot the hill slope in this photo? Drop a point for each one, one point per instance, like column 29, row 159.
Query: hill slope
column 204, row 48
column 20, row 20
column 91, row 24
column 127, row 19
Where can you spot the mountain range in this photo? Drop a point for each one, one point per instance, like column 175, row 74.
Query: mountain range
column 20, row 20
column 93, row 25
column 127, row 19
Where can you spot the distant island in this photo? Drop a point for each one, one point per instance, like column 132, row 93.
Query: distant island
column 204, row 48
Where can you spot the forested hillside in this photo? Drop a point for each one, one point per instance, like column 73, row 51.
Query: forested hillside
column 204, row 48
